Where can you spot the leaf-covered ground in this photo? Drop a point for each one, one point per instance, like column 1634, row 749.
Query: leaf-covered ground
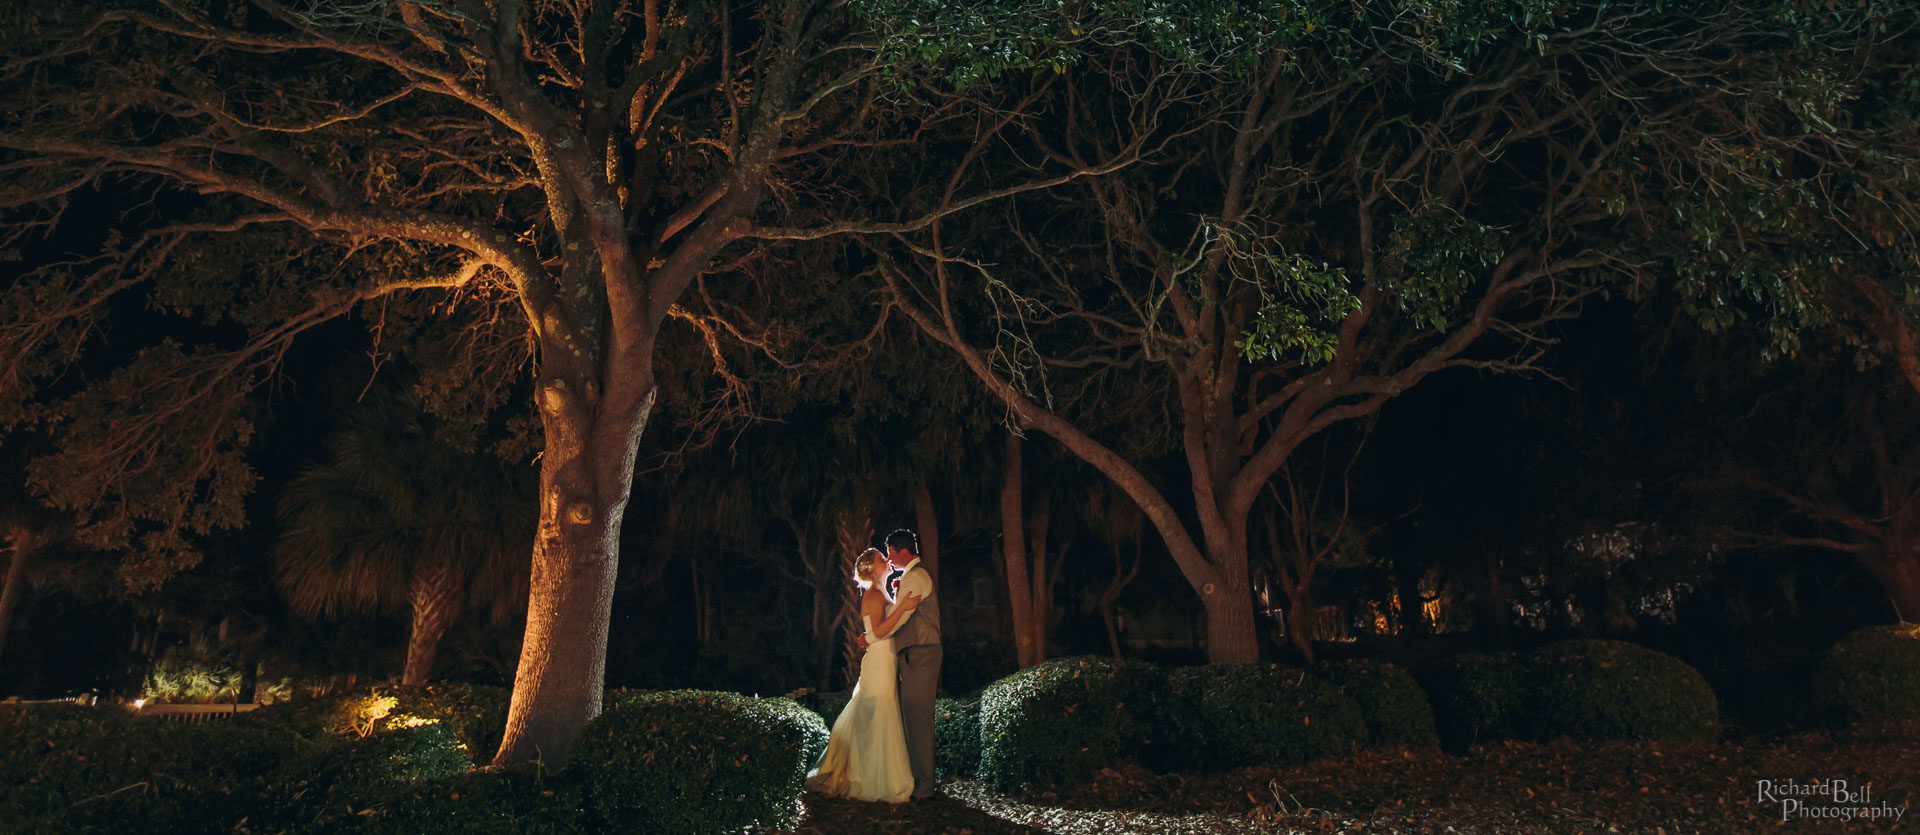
column 1664, row 788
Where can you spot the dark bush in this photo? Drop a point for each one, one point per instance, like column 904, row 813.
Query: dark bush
column 476, row 713
column 1479, row 698
column 525, row 800
column 1064, row 720
column 956, row 738
column 312, row 719
column 1592, row 690
column 344, row 775
column 1251, row 714
column 1872, row 674
column 689, row 761
column 829, row 705
column 1394, row 705
column 100, row 770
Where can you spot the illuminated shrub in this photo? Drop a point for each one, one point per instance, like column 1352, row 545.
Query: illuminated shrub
column 1872, row 674
column 1479, row 698
column 956, row 737
column 101, row 770
column 1062, row 721
column 1592, row 690
column 1224, row 717
column 1394, row 706
column 475, row 713
column 690, row 761
column 202, row 672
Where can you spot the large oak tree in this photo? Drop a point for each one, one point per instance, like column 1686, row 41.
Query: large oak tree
column 539, row 182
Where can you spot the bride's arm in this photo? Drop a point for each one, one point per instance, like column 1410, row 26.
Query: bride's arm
column 885, row 627
column 874, row 606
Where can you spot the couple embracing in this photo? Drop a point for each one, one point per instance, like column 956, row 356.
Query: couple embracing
column 882, row 744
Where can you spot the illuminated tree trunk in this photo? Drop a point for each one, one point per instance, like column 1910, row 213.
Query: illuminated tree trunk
column 586, row 475
column 435, row 600
column 23, row 541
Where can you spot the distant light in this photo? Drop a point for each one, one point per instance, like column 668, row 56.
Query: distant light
column 139, row 703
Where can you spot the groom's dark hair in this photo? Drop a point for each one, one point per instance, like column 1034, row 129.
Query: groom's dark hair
column 904, row 540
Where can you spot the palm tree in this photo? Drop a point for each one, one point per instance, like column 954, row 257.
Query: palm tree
column 398, row 515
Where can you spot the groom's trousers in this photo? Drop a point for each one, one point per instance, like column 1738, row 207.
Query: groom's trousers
column 919, row 671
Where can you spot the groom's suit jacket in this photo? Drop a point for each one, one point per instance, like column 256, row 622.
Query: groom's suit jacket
column 923, row 624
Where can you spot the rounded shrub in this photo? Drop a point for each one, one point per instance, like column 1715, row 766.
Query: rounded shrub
column 1224, row 717
column 1479, row 697
column 1063, row 720
column 692, row 761
column 101, row 770
column 524, row 799
column 1393, row 704
column 956, row 737
column 344, row 776
column 1592, row 690
column 1872, row 674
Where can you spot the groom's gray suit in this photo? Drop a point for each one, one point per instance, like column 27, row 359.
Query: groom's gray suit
column 916, row 643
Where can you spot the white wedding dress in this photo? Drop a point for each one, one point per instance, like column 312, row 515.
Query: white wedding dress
column 866, row 756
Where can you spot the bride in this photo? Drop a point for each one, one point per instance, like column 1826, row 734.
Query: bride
column 866, row 756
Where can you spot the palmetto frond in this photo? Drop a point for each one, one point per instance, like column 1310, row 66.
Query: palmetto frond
column 391, row 495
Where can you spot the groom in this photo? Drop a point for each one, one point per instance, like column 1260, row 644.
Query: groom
column 916, row 642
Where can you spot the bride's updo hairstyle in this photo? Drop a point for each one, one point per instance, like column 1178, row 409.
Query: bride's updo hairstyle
column 863, row 567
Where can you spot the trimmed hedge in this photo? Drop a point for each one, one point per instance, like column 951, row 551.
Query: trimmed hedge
column 1479, row 697
column 1594, row 690
column 956, row 738
column 1394, row 706
column 525, row 799
column 1251, row 714
column 692, row 761
column 1063, row 720
column 352, row 768
column 98, row 769
column 1872, row 674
